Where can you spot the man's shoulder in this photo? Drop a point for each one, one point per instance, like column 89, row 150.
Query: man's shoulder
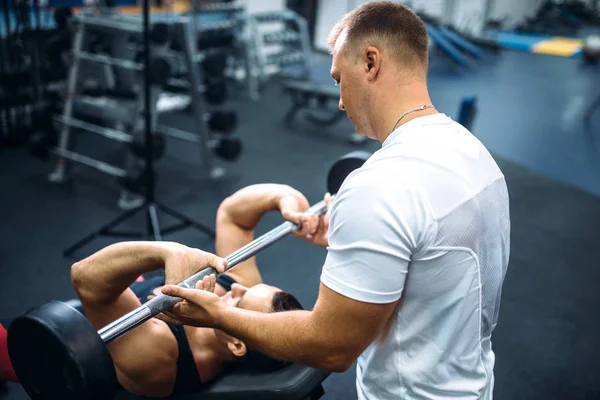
column 383, row 193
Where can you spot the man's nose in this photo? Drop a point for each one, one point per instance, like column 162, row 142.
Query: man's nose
column 238, row 290
column 341, row 105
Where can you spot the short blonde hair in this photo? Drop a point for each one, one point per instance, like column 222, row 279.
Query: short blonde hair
column 389, row 25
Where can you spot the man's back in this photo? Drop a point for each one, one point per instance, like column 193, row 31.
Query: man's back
column 445, row 233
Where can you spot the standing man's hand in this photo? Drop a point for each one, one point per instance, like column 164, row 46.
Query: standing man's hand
column 199, row 308
column 313, row 228
column 183, row 262
column 292, row 203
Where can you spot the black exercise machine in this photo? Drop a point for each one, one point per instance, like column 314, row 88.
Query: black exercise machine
column 318, row 102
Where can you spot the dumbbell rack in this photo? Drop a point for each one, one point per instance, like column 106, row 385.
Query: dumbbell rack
column 278, row 49
column 93, row 23
column 155, row 74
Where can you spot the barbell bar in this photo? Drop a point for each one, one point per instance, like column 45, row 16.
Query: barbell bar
column 163, row 302
column 57, row 353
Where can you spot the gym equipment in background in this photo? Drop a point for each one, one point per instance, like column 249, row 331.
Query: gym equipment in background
column 560, row 18
column 29, row 70
column 282, row 39
column 56, row 352
column 155, row 71
column 590, row 50
column 319, row 103
column 280, row 45
column 112, row 41
column 467, row 112
column 448, row 42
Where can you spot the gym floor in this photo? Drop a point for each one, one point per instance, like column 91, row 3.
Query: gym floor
column 531, row 118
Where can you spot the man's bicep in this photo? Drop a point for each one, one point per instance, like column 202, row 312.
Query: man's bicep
column 352, row 324
column 374, row 231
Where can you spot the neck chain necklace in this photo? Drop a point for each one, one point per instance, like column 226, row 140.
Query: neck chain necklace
column 425, row 107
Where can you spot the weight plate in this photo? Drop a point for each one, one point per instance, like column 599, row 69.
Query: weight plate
column 58, row 354
column 343, row 167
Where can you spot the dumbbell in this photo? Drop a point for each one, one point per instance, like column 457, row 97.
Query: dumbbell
column 160, row 33
column 62, row 16
column 227, row 148
column 215, row 38
column 215, row 91
column 214, row 65
column 223, row 122
column 157, row 144
column 58, row 43
column 160, row 70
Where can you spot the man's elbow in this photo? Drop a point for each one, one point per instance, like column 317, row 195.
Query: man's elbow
column 338, row 362
column 81, row 281
column 77, row 275
column 225, row 210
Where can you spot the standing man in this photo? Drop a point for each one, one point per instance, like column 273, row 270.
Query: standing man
column 418, row 238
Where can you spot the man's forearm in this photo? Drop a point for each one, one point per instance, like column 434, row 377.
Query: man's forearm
column 104, row 275
column 245, row 207
column 290, row 336
column 237, row 217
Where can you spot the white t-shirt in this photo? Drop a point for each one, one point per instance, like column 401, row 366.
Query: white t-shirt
column 425, row 220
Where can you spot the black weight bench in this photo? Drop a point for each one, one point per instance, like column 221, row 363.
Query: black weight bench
column 312, row 95
column 241, row 382
column 316, row 97
column 294, row 382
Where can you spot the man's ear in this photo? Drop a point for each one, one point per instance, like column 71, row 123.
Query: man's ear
column 237, row 347
column 372, row 62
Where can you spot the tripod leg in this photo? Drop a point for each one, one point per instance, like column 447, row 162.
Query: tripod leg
column 103, row 230
column 153, row 221
column 210, row 232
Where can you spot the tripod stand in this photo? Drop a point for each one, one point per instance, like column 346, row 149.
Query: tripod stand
column 150, row 206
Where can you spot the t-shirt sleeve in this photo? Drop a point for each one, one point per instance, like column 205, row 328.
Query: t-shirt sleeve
column 375, row 227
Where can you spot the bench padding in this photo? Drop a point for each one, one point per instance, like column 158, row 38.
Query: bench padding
column 241, row 383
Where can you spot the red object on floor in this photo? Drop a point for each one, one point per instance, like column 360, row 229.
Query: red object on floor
column 7, row 373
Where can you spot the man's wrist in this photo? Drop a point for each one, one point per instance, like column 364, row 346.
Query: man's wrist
column 224, row 317
column 284, row 191
column 165, row 251
column 277, row 193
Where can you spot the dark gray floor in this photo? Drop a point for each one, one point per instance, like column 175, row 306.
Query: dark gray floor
column 546, row 340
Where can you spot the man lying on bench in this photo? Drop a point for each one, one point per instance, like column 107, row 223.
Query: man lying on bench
column 157, row 359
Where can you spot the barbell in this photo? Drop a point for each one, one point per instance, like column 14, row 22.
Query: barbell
column 58, row 354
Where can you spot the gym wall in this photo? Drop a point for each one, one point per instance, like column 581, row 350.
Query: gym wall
column 512, row 12
column 515, row 11
column 255, row 6
column 329, row 12
column 468, row 16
